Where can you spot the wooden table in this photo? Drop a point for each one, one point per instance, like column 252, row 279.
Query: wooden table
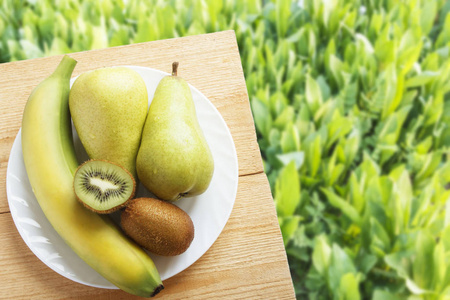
column 248, row 259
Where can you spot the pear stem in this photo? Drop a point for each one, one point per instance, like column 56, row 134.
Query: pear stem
column 174, row 68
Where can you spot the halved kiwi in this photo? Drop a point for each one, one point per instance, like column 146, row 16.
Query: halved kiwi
column 103, row 186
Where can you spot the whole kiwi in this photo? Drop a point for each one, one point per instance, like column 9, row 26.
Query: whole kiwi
column 158, row 226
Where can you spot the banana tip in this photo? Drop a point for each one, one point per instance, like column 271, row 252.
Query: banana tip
column 157, row 290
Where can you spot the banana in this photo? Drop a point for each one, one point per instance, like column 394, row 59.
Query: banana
column 50, row 162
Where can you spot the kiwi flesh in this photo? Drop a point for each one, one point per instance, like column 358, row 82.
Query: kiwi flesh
column 102, row 186
column 158, row 226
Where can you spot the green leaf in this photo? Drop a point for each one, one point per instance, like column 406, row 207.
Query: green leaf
column 321, row 255
column 444, row 36
column 385, row 51
column 398, row 96
column 421, row 79
column 368, row 168
column 99, row 37
column 145, row 30
column 338, row 127
column 285, row 117
column 120, row 37
column 61, row 27
column 58, row 47
column 313, row 157
column 424, row 146
column 261, row 114
column 344, row 206
column 367, row 45
column 287, row 190
column 439, row 267
column 274, row 137
column 433, row 108
column 214, row 10
column 337, row 68
column 430, row 163
column 289, row 226
column 352, row 146
column 314, row 282
column 376, row 23
column 348, row 96
column 389, row 132
column 404, row 195
column 325, row 113
column 304, row 125
column 381, row 242
column 366, row 262
column 409, row 50
column 14, row 50
column 385, row 295
column 283, row 12
column 313, row 94
column 355, row 193
column 330, row 50
column 2, row 27
column 428, row 12
column 278, row 103
column 301, row 240
column 400, row 262
column 295, row 37
column 415, row 289
column 349, row 287
column 312, row 42
column 290, row 139
column 31, row 50
column 445, row 294
column 386, row 87
column 297, row 157
column 340, row 264
column 336, row 173
column 324, row 88
column 422, row 266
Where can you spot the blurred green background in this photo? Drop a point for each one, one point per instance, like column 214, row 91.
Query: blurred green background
column 352, row 111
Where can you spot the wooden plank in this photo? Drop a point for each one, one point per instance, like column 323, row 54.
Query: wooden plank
column 209, row 62
column 248, row 259
column 246, row 262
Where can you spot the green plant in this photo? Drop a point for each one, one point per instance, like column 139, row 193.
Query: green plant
column 351, row 106
column 356, row 147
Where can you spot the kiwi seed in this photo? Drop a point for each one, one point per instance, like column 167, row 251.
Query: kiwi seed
column 102, row 186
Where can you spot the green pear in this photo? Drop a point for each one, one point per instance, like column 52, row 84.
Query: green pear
column 174, row 159
column 108, row 108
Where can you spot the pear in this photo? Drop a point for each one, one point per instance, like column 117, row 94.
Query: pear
column 108, row 108
column 174, row 158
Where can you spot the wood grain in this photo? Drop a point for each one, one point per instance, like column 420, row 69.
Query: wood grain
column 216, row 73
column 247, row 260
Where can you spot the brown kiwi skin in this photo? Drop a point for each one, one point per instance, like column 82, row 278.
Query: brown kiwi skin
column 158, row 226
column 113, row 209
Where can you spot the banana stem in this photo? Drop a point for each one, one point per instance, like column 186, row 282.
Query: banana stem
column 174, row 68
column 65, row 67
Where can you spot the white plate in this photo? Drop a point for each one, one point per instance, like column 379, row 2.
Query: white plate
column 209, row 211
